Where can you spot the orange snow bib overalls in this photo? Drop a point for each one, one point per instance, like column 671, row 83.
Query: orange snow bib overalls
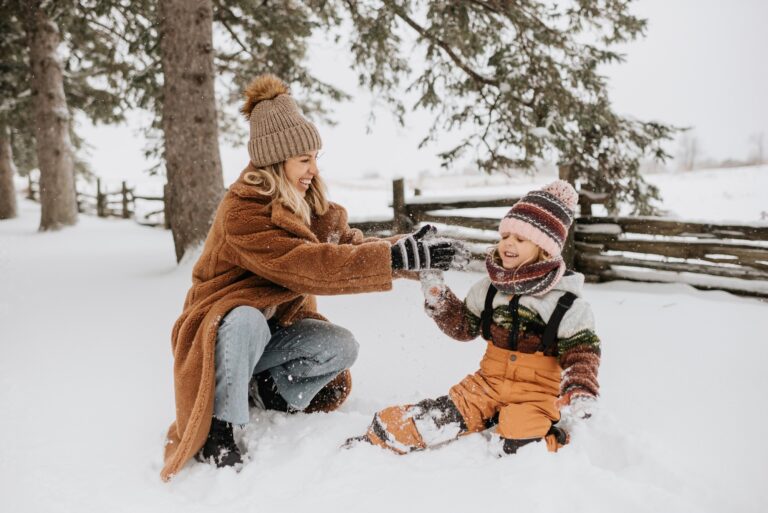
column 515, row 390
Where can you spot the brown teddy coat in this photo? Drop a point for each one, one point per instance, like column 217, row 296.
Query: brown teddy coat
column 259, row 253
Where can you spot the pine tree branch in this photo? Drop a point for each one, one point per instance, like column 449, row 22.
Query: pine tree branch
column 236, row 38
column 111, row 31
column 503, row 12
column 423, row 32
column 231, row 30
column 484, row 137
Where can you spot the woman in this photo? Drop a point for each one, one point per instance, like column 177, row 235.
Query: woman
column 249, row 321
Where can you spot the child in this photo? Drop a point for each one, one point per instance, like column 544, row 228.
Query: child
column 542, row 355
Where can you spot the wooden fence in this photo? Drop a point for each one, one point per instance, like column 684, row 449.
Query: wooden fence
column 105, row 203
column 731, row 257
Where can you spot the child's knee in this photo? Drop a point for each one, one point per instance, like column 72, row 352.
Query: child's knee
column 523, row 422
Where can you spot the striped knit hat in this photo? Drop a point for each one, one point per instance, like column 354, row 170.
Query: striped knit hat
column 544, row 216
column 278, row 129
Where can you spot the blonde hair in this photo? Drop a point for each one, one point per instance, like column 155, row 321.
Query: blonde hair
column 271, row 181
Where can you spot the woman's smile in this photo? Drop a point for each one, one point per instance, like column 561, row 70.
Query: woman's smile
column 301, row 170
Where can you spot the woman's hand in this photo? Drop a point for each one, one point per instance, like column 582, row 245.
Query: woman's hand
column 423, row 251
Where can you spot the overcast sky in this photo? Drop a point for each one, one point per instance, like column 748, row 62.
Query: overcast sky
column 701, row 65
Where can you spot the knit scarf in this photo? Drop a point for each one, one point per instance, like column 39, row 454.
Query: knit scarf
column 536, row 278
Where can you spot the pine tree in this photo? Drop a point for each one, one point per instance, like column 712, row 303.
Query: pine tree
column 7, row 172
column 58, row 58
column 259, row 37
column 51, row 118
column 523, row 76
column 11, row 91
column 263, row 37
column 190, row 129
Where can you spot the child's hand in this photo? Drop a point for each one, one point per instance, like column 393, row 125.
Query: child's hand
column 432, row 286
column 580, row 408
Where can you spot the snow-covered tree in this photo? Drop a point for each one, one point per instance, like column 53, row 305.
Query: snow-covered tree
column 58, row 58
column 255, row 37
column 522, row 79
column 7, row 172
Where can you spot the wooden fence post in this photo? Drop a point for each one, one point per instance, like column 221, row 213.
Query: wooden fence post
column 101, row 200
column 400, row 221
column 569, row 251
column 126, row 213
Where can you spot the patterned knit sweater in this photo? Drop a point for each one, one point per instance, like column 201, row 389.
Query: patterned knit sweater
column 578, row 347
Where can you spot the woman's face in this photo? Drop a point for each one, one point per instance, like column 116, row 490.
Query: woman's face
column 301, row 170
column 515, row 251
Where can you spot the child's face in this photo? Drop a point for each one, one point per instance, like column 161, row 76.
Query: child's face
column 515, row 251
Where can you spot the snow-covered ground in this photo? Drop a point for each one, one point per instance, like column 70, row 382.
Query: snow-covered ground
column 86, row 396
column 719, row 195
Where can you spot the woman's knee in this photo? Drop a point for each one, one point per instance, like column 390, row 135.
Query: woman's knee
column 244, row 328
column 346, row 346
column 335, row 343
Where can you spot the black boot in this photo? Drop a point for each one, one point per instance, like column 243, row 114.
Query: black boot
column 332, row 395
column 511, row 445
column 268, row 394
column 220, row 447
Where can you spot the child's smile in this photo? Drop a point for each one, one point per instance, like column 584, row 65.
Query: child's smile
column 515, row 251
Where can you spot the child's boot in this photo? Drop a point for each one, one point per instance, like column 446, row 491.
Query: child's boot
column 413, row 427
column 511, row 445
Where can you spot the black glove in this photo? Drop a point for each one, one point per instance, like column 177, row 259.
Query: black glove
column 417, row 252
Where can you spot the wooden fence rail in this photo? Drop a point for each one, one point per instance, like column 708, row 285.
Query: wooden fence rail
column 655, row 249
column 105, row 203
column 731, row 257
column 704, row 255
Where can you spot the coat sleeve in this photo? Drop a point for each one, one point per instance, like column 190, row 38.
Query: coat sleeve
column 304, row 266
column 453, row 317
column 355, row 236
column 579, row 352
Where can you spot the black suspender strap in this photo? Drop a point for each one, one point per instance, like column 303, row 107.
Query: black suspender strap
column 549, row 340
column 487, row 315
column 515, row 328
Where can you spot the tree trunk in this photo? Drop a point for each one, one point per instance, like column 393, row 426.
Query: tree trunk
column 54, row 149
column 7, row 172
column 193, row 165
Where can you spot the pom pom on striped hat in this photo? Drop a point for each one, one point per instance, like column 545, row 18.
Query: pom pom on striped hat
column 543, row 216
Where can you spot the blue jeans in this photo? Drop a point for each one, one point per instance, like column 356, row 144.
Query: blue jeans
column 302, row 359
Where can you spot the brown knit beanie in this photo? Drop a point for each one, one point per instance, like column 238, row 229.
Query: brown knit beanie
column 278, row 129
